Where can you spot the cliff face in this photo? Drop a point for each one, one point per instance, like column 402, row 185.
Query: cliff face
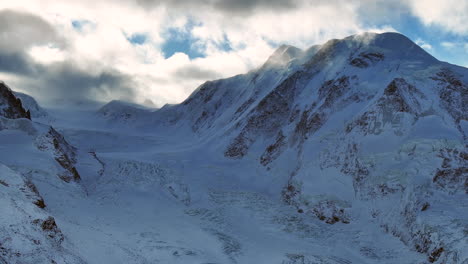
column 12, row 108
column 10, row 105
column 63, row 152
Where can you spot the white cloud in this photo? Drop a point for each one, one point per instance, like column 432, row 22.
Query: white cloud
column 448, row 45
column 47, row 54
column 451, row 15
column 423, row 44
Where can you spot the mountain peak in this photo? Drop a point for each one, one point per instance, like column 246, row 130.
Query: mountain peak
column 392, row 42
column 379, row 38
column 392, row 46
column 284, row 54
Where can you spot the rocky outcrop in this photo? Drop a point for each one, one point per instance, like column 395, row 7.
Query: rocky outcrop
column 398, row 97
column 273, row 150
column 453, row 173
column 10, row 105
column 330, row 212
column 364, row 60
column 266, row 118
column 50, row 228
column 64, row 153
column 38, row 200
column 453, row 94
column 29, row 234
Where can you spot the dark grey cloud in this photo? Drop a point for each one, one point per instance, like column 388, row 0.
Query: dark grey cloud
column 229, row 6
column 61, row 80
column 247, row 5
column 20, row 31
column 66, row 80
column 193, row 72
column 15, row 63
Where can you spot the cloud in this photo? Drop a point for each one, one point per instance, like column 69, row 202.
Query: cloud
column 66, row 81
column 423, row 44
column 19, row 31
column 448, row 45
column 229, row 6
column 450, row 15
column 194, row 72
column 15, row 63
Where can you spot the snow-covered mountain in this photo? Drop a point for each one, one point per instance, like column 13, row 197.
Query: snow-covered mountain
column 29, row 234
column 30, row 104
column 123, row 112
column 353, row 151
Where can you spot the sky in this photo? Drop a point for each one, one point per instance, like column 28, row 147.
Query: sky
column 157, row 52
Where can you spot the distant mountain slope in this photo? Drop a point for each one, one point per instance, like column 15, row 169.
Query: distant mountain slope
column 123, row 112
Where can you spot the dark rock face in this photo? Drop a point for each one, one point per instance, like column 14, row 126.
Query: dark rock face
column 273, row 150
column 65, row 154
column 398, row 97
column 331, row 90
column 364, row 60
column 50, row 228
column 330, row 213
column 38, row 200
column 49, row 224
column 4, row 183
column 10, row 105
column 40, row 203
column 453, row 95
column 266, row 118
column 453, row 173
column 435, row 254
column 290, row 193
column 238, row 147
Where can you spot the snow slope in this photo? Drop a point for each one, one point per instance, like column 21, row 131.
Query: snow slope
column 353, row 151
column 30, row 104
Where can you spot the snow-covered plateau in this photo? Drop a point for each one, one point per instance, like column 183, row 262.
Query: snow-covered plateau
column 354, row 151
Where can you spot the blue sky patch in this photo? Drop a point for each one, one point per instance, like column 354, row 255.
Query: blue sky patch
column 225, row 45
column 80, row 24
column 182, row 40
column 137, row 38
